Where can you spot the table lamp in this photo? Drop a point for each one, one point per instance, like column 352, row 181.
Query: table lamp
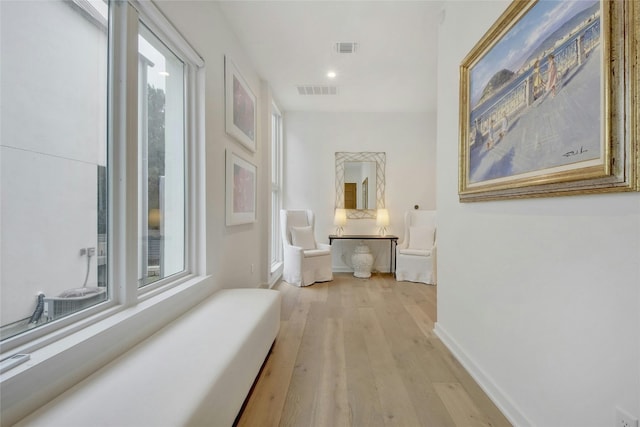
column 382, row 220
column 340, row 219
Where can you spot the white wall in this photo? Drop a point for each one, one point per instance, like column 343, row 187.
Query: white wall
column 539, row 298
column 311, row 141
column 234, row 249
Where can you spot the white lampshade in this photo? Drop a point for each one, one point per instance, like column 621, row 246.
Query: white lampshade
column 382, row 218
column 340, row 217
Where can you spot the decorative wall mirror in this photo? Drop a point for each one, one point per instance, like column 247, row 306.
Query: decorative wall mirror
column 360, row 183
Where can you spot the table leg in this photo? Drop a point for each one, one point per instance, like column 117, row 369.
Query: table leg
column 390, row 255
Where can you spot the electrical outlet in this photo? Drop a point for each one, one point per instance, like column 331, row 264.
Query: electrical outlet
column 623, row 419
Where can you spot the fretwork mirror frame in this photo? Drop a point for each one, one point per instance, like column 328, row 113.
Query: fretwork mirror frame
column 365, row 156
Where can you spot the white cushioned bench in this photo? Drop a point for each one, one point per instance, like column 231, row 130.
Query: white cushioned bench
column 196, row 371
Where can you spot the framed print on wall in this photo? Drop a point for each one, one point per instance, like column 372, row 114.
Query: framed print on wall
column 241, row 185
column 240, row 107
column 548, row 102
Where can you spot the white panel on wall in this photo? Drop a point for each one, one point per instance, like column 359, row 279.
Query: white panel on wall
column 53, row 215
column 31, row 123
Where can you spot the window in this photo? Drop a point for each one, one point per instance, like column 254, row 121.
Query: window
column 53, row 154
column 161, row 180
column 276, row 189
column 80, row 205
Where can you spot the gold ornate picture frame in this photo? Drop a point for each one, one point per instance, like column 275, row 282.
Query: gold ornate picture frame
column 549, row 102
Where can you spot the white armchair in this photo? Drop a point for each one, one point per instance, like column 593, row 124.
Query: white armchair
column 416, row 255
column 305, row 260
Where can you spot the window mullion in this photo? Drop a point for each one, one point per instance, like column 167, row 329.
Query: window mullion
column 124, row 154
column 196, row 243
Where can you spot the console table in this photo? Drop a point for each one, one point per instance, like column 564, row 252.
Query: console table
column 393, row 241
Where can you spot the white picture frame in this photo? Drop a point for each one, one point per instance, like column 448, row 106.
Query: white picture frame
column 241, row 190
column 240, row 107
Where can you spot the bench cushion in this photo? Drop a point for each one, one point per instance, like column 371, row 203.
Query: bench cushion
column 195, row 371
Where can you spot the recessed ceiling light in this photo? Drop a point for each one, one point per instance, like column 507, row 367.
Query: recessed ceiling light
column 331, row 74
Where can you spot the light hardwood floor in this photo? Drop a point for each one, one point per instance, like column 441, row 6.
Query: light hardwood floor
column 361, row 352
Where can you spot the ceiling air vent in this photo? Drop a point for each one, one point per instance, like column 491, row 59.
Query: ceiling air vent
column 316, row 90
column 346, row 47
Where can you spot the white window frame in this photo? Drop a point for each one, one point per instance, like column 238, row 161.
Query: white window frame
column 275, row 236
column 132, row 313
column 127, row 130
column 160, row 27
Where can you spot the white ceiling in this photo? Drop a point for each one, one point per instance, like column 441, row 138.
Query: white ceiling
column 292, row 43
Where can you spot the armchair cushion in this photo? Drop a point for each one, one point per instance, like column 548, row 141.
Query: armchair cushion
column 417, row 252
column 316, row 252
column 303, row 237
column 421, row 237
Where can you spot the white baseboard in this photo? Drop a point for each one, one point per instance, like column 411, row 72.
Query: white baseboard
column 275, row 275
column 486, row 383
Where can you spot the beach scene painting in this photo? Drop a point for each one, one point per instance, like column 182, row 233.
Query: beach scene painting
column 534, row 98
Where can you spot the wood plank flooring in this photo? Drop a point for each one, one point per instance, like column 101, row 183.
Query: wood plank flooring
column 362, row 353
